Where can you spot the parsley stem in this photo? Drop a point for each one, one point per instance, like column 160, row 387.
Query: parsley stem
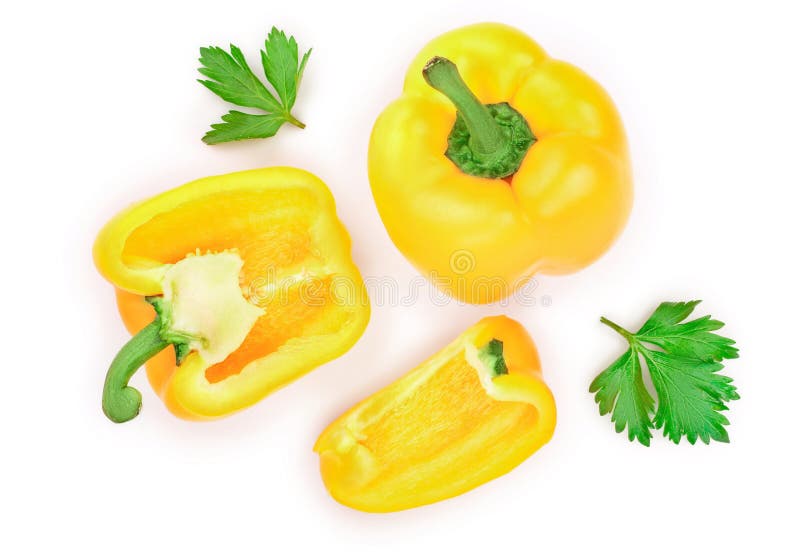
column 624, row 332
column 294, row 121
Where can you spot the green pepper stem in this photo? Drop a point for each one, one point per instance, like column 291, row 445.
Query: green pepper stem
column 487, row 139
column 491, row 354
column 122, row 403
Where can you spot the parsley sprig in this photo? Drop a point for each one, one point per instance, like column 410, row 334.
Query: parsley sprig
column 683, row 360
column 230, row 78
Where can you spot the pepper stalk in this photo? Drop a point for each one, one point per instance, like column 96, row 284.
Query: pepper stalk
column 487, row 140
column 202, row 310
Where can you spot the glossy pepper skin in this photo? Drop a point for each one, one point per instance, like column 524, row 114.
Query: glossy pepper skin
column 296, row 268
column 444, row 428
column 481, row 238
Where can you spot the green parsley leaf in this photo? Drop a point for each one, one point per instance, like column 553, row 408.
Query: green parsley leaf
column 233, row 80
column 281, row 67
column 230, row 78
column 241, row 126
column 683, row 360
column 621, row 388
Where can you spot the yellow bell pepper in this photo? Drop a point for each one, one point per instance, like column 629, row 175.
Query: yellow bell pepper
column 498, row 162
column 471, row 413
column 252, row 283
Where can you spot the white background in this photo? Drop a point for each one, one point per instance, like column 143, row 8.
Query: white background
column 100, row 108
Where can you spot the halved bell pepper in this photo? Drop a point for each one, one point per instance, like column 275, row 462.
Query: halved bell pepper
column 470, row 413
column 498, row 162
column 233, row 285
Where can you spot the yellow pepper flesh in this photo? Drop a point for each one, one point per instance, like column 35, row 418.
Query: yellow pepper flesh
column 482, row 238
column 297, row 268
column 444, row 428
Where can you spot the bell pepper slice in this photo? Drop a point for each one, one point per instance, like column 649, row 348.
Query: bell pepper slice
column 468, row 414
column 253, row 286
column 509, row 163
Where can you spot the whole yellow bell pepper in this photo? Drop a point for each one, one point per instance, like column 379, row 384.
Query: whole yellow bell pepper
column 498, row 162
column 252, row 283
column 471, row 413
